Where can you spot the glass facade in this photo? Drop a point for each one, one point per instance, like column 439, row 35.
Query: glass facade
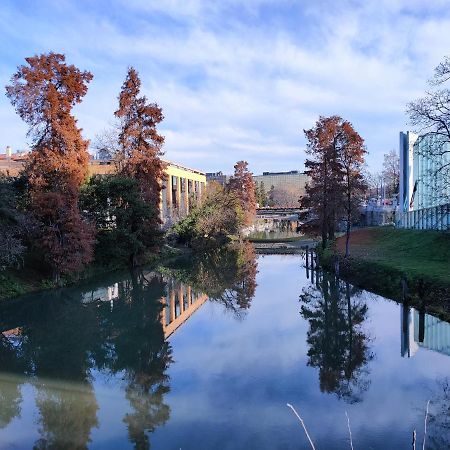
column 424, row 171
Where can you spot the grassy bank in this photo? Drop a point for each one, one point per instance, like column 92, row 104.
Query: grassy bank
column 16, row 282
column 396, row 263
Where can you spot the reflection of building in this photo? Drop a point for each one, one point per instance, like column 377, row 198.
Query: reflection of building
column 108, row 294
column 180, row 302
column 409, row 346
column 423, row 330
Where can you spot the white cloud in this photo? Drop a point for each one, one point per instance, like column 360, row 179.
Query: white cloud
column 236, row 84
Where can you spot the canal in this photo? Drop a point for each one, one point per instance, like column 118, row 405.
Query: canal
column 206, row 355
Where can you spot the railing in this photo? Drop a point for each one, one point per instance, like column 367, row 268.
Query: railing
column 434, row 218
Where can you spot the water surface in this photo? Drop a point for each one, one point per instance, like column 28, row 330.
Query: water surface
column 206, row 356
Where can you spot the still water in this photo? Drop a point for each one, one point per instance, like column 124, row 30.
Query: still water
column 206, row 356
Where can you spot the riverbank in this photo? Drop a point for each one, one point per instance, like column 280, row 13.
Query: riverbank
column 17, row 282
column 405, row 265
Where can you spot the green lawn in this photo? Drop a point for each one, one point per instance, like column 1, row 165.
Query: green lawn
column 418, row 253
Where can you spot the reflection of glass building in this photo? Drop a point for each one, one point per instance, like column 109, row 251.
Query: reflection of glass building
column 424, row 179
column 423, row 330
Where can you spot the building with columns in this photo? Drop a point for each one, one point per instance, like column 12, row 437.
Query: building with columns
column 182, row 186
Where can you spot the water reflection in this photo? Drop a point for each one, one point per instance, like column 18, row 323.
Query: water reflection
column 423, row 330
column 225, row 275
column 338, row 345
column 59, row 342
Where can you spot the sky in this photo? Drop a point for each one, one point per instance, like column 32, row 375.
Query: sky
column 237, row 79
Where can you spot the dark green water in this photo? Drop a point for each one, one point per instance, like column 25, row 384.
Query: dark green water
column 149, row 361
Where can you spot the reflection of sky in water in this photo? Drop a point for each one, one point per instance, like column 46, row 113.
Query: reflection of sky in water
column 231, row 379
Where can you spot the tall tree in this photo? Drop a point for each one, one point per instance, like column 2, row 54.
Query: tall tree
column 244, row 187
column 324, row 191
column 43, row 93
column 430, row 115
column 391, row 172
column 139, row 141
column 351, row 156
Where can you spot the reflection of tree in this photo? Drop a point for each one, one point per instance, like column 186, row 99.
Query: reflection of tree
column 67, row 415
column 63, row 339
column 226, row 275
column 137, row 339
column 337, row 343
column 58, row 344
column 10, row 394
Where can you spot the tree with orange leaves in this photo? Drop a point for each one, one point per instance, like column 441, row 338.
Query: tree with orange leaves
column 43, row 93
column 139, row 141
column 336, row 158
column 244, row 187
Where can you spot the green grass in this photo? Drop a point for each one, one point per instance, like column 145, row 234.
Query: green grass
column 417, row 253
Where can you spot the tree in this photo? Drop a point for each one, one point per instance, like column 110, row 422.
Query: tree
column 430, row 115
column 336, row 173
column 285, row 197
column 14, row 224
column 271, row 197
column 391, row 173
column 263, row 194
column 43, row 93
column 139, row 142
column 121, row 217
column 260, row 194
column 244, row 187
column 351, row 151
column 323, row 196
column 217, row 217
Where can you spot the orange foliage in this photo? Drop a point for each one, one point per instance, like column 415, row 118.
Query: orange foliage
column 44, row 92
column 244, row 187
column 140, row 143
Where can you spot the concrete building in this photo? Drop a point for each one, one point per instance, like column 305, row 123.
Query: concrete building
column 218, row 177
column 182, row 185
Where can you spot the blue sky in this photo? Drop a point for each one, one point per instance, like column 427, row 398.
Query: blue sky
column 237, row 79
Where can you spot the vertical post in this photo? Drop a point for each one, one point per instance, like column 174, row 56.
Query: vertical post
column 186, row 196
column 307, row 263
column 179, row 194
column 169, row 196
column 181, row 298
column 172, row 305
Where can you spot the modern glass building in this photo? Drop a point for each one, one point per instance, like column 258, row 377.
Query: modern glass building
column 424, row 171
column 292, row 182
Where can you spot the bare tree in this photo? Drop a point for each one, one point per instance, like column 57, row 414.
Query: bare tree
column 391, row 173
column 430, row 115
